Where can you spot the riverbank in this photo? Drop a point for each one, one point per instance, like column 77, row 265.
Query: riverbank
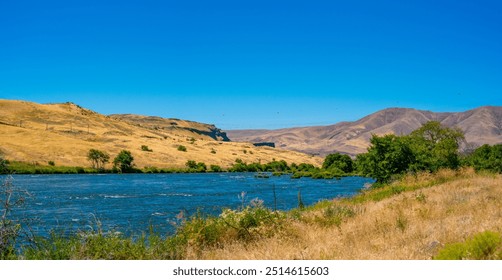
column 416, row 217
column 413, row 218
column 275, row 168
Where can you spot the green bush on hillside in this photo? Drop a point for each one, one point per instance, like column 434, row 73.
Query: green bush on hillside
column 483, row 246
column 486, row 157
column 145, row 148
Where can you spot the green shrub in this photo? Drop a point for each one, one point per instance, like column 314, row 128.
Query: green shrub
column 4, row 165
column 421, row 197
column 145, row 148
column 401, row 222
column 486, row 157
column 193, row 166
column 182, row 148
column 215, row 168
column 151, row 169
column 335, row 215
column 249, row 223
column 97, row 245
column 483, row 246
column 11, row 230
column 341, row 162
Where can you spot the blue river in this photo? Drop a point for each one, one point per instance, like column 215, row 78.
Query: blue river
column 132, row 203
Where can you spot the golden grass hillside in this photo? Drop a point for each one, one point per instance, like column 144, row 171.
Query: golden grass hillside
column 410, row 219
column 64, row 133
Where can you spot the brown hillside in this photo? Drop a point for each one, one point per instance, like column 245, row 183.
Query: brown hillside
column 64, row 133
column 481, row 126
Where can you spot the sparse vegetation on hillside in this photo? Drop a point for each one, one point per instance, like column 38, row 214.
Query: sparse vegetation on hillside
column 64, row 133
column 145, row 148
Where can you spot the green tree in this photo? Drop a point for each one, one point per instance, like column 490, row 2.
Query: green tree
column 431, row 147
column 436, row 146
column 201, row 167
column 486, row 157
column 124, row 161
column 98, row 158
column 386, row 156
column 338, row 161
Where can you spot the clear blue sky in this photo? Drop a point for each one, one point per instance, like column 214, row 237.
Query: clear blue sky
column 253, row 64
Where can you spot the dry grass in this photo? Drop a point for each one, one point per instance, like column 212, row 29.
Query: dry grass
column 414, row 224
column 64, row 133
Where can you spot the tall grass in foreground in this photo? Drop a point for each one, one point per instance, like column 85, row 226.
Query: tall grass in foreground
column 194, row 235
column 411, row 218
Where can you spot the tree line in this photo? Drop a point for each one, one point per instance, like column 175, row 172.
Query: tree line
column 429, row 148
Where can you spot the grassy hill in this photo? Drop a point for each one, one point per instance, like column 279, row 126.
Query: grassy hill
column 64, row 133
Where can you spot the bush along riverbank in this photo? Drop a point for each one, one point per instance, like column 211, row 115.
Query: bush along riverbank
column 449, row 214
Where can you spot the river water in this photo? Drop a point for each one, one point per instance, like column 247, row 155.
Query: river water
column 131, row 203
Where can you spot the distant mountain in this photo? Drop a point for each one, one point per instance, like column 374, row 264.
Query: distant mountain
column 481, row 126
column 64, row 133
